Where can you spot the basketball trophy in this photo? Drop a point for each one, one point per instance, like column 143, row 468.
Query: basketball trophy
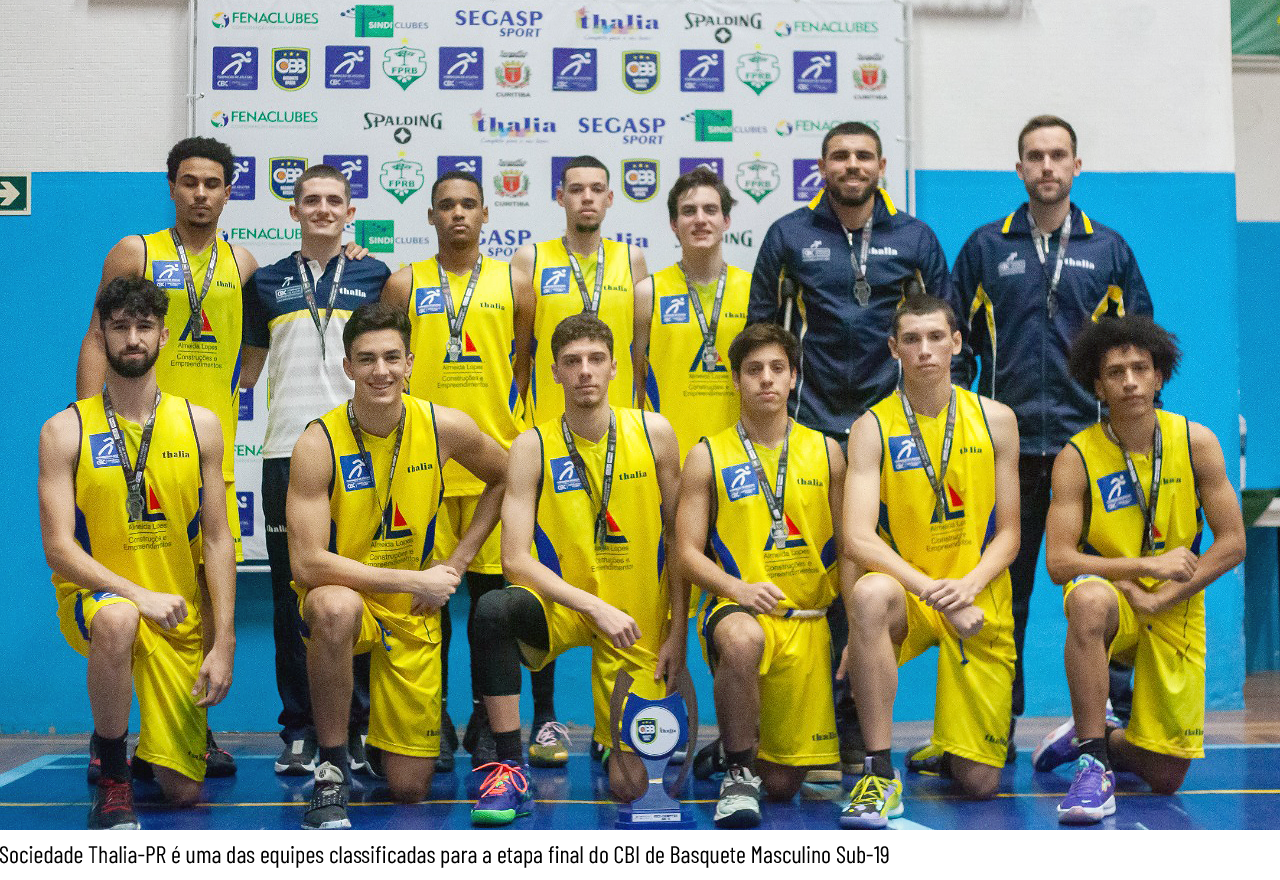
column 652, row 729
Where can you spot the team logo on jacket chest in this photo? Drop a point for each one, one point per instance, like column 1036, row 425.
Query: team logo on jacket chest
column 815, row 253
column 1011, row 265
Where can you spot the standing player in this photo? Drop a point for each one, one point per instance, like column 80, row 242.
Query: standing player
column 931, row 512
column 294, row 314
column 470, row 341
column 203, row 276
column 701, row 305
column 767, row 494
column 122, row 510
column 591, row 494
column 1029, row 283
column 1130, row 495
column 581, row 272
column 364, row 487
column 833, row 272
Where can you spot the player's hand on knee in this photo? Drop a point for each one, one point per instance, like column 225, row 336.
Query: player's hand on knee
column 163, row 609
column 617, row 626
column 966, row 621
column 433, row 587
column 1178, row 564
column 761, row 597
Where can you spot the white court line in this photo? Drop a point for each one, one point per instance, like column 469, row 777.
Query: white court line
column 1218, row 746
column 907, row 825
column 30, row 767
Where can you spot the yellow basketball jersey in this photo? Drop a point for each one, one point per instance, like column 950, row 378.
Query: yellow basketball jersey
column 386, row 529
column 698, row 401
column 941, row 543
column 161, row 551
column 482, row 381
column 741, row 535
column 628, row 571
column 205, row 371
column 1114, row 521
column 557, row 296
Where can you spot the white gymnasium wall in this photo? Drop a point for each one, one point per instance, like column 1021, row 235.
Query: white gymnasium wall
column 1256, row 88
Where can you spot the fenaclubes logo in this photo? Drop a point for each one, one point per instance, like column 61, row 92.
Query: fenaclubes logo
column 265, row 118
column 810, row 28
column 274, row 18
column 404, row 65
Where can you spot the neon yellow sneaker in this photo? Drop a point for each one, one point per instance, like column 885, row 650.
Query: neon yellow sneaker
column 549, row 746
column 873, row 802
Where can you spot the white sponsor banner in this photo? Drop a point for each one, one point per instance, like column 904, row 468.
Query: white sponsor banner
column 396, row 94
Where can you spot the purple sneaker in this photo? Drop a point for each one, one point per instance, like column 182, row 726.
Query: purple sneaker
column 1091, row 796
column 1060, row 745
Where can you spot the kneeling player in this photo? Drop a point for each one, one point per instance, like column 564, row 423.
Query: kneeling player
column 590, row 495
column 931, row 513
column 122, row 509
column 765, row 494
column 1130, row 495
column 364, row 488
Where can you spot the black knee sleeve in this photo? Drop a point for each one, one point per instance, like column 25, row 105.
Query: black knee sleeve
column 503, row 618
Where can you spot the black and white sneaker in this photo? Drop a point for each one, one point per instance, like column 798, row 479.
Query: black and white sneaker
column 218, row 763
column 298, row 758
column 357, row 752
column 112, row 808
column 710, row 761
column 739, row 803
column 328, row 800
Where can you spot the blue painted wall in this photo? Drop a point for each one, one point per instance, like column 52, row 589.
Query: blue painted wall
column 1182, row 227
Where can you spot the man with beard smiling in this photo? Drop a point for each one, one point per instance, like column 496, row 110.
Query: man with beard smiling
column 125, row 524
column 833, row 272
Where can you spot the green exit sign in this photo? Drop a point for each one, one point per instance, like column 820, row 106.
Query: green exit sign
column 15, row 194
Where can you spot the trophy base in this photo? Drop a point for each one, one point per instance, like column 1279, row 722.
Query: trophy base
column 677, row 816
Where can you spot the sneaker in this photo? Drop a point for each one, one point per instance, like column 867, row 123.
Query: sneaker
column 504, row 794
column 328, row 800
column 218, row 763
column 550, row 745
column 298, row 758
column 873, row 802
column 477, row 739
column 93, row 772
column 1091, row 796
column 597, row 751
column 448, row 744
column 358, row 752
column 373, row 762
column 112, row 808
column 1060, row 745
column 926, row 759
column 739, row 803
column 710, row 762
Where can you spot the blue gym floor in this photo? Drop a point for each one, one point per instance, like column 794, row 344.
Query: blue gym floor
column 1233, row 787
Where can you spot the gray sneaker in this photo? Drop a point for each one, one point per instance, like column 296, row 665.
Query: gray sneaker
column 328, row 800
column 298, row 758
column 739, row 803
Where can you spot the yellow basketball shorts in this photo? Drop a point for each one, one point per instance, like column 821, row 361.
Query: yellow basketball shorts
column 973, row 702
column 797, row 714
column 404, row 679
column 164, row 672
column 568, row 629
column 1167, row 652
column 452, row 519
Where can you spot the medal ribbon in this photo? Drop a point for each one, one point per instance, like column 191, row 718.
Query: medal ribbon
column 861, row 287
column 455, row 320
column 1148, row 507
column 1042, row 251
column 304, row 278
column 708, row 330
column 383, row 506
column 606, row 481
column 592, row 304
column 774, row 497
column 133, row 475
column 196, row 322
column 936, row 477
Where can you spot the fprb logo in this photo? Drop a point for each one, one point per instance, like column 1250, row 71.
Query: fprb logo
column 639, row 179
column 405, row 65
column 462, row 67
column 290, row 67
column 573, row 70
column 758, row 70
column 640, row 71
column 815, row 72
column 284, row 172
column 701, row 70
column 473, row 165
column 379, row 236
column 356, row 474
column 807, row 180
column 346, row 67
column 243, row 174
column 758, row 178
column 235, row 67
column 402, row 178
column 373, row 20
column 355, row 169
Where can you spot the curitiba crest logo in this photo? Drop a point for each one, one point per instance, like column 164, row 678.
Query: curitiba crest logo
column 758, row 178
column 512, row 73
column 511, row 183
column 404, row 64
column 402, row 178
column 758, row 70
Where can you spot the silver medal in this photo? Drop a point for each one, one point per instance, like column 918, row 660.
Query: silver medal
column 862, row 290
column 708, row 358
column 453, row 350
column 600, row 532
column 779, row 536
column 134, row 506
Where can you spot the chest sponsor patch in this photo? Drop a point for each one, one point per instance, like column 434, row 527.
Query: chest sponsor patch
column 739, row 481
